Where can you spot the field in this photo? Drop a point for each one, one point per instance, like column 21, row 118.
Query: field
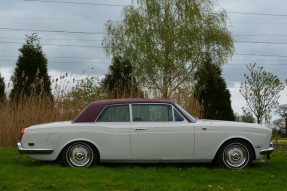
column 23, row 174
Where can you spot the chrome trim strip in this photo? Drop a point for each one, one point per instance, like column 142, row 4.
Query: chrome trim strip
column 22, row 150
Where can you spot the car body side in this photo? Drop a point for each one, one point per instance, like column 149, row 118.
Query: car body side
column 114, row 140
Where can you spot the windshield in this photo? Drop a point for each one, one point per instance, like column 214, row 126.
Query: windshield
column 193, row 119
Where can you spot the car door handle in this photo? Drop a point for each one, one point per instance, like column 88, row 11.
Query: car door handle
column 141, row 129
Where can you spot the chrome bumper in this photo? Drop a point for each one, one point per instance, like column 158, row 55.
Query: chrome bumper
column 268, row 151
column 22, row 150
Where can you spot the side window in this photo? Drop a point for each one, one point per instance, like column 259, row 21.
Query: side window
column 152, row 112
column 177, row 116
column 115, row 113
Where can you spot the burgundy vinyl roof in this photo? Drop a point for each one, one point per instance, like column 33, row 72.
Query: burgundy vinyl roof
column 90, row 113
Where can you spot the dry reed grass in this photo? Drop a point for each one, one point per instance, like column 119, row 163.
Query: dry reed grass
column 33, row 111
column 36, row 110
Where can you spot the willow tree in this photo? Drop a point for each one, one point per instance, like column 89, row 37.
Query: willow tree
column 166, row 40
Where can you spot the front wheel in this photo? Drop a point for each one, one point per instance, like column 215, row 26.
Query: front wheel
column 80, row 154
column 235, row 154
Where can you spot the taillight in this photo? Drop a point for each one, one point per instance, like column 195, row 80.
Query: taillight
column 22, row 133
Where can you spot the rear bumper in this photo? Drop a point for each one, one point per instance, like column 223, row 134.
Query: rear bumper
column 268, row 151
column 22, row 150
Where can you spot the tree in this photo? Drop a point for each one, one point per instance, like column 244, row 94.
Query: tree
column 2, row 89
column 282, row 122
column 246, row 117
column 279, row 126
column 31, row 74
column 261, row 92
column 85, row 90
column 212, row 93
column 165, row 40
column 119, row 81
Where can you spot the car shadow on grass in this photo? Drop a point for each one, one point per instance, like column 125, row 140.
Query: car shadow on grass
column 158, row 165
column 213, row 165
column 36, row 163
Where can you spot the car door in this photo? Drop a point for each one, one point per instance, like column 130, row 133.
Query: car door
column 157, row 134
column 114, row 137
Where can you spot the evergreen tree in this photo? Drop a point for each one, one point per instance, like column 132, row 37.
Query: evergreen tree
column 31, row 74
column 119, row 81
column 212, row 93
column 2, row 89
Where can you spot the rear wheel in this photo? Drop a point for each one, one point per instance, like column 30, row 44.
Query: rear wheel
column 80, row 154
column 235, row 154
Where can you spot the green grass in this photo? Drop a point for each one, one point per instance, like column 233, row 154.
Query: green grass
column 22, row 174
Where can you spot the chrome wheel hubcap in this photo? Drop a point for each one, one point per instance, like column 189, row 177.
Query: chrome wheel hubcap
column 80, row 155
column 235, row 156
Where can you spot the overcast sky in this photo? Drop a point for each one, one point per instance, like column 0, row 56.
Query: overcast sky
column 71, row 35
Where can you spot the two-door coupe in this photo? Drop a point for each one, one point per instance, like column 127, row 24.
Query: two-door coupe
column 145, row 130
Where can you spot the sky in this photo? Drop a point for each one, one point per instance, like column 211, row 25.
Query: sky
column 71, row 32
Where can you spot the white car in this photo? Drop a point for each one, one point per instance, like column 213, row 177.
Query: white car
column 145, row 130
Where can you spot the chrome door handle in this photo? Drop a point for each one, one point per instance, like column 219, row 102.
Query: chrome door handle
column 141, row 129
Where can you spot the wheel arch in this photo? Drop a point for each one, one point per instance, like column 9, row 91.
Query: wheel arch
column 79, row 140
column 234, row 140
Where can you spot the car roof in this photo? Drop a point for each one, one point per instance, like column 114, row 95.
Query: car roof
column 90, row 113
column 132, row 100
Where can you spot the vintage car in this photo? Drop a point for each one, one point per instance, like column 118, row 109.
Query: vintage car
column 145, row 130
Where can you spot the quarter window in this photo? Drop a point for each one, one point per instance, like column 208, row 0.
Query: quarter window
column 115, row 113
column 177, row 116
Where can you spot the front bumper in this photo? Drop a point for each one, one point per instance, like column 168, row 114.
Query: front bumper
column 268, row 151
column 22, row 150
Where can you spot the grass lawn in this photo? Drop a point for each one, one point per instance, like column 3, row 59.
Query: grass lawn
column 22, row 174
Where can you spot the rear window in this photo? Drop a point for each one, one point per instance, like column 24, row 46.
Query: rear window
column 115, row 113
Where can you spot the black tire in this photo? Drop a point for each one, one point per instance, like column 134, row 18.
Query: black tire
column 80, row 154
column 235, row 154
